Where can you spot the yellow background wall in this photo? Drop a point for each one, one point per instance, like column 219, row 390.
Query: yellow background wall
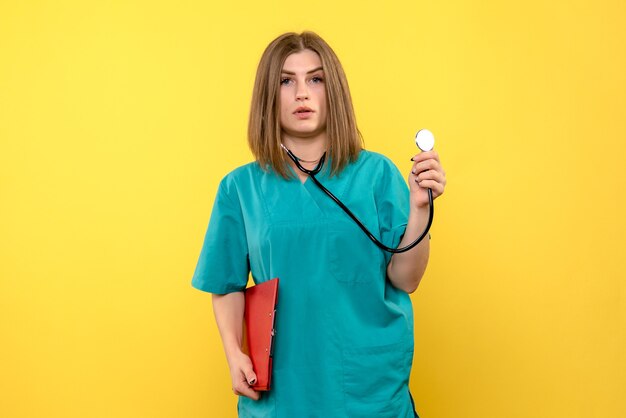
column 118, row 119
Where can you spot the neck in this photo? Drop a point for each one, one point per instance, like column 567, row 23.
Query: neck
column 307, row 149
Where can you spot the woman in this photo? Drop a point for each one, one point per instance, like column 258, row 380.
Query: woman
column 344, row 343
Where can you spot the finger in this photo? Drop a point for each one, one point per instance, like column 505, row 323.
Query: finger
column 425, row 155
column 250, row 393
column 249, row 374
column 431, row 175
column 436, row 187
column 242, row 389
column 254, row 395
column 429, row 164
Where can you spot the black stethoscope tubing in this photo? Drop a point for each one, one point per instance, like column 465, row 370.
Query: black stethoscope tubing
column 312, row 173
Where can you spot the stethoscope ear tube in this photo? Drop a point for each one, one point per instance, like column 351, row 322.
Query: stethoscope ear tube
column 312, row 173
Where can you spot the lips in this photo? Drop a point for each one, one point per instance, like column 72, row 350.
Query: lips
column 303, row 110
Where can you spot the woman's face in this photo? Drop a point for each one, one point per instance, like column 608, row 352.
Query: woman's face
column 303, row 96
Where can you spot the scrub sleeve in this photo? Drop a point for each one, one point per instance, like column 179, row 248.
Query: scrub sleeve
column 223, row 263
column 344, row 343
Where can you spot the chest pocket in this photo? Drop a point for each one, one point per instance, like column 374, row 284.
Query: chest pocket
column 353, row 257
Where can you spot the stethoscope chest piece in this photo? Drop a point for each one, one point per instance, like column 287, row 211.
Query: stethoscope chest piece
column 425, row 140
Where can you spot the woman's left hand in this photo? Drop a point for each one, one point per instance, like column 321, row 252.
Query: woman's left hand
column 426, row 173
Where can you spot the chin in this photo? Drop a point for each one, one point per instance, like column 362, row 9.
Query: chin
column 304, row 132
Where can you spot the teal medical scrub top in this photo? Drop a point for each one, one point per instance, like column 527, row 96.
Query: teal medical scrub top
column 344, row 342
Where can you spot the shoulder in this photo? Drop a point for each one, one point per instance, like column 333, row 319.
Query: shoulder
column 382, row 174
column 239, row 179
column 376, row 162
column 243, row 173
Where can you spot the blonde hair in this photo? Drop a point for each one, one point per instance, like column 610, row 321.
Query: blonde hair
column 264, row 130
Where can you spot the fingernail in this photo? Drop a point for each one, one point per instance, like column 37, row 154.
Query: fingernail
column 412, row 159
column 252, row 381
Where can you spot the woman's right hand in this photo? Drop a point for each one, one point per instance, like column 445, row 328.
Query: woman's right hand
column 242, row 375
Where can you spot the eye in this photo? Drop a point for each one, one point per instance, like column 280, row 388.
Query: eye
column 317, row 79
column 284, row 81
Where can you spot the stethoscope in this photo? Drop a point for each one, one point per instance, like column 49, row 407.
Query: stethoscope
column 425, row 141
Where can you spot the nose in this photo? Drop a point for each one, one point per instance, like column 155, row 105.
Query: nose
column 302, row 92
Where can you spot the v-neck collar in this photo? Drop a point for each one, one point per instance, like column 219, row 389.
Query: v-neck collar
column 323, row 174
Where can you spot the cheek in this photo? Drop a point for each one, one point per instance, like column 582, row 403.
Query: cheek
column 281, row 101
column 324, row 105
column 283, row 120
column 283, row 108
column 320, row 96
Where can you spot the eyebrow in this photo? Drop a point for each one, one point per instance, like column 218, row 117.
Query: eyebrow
column 308, row 72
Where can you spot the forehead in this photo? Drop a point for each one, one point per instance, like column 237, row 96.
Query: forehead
column 302, row 61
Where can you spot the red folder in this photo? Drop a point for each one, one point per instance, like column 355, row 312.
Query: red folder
column 259, row 315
